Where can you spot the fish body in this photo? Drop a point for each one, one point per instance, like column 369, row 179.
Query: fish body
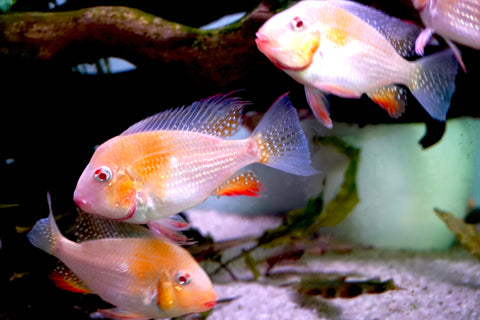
column 174, row 160
column 144, row 277
column 348, row 49
column 454, row 20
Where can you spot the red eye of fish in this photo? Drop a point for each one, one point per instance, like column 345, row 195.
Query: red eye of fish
column 297, row 23
column 103, row 174
column 183, row 278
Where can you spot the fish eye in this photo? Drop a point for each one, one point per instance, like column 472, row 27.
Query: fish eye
column 297, row 24
column 103, row 174
column 183, row 278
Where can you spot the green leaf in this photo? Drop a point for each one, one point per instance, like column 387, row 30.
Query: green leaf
column 347, row 197
column 8, row 205
column 302, row 222
column 466, row 233
column 5, row 5
column 250, row 263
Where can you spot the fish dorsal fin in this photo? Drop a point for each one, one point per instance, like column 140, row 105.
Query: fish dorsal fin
column 400, row 34
column 89, row 227
column 66, row 279
column 218, row 115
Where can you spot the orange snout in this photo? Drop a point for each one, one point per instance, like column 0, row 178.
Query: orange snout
column 291, row 54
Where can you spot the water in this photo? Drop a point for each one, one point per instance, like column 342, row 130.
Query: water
column 52, row 117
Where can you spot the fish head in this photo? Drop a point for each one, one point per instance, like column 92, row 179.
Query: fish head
column 105, row 189
column 187, row 290
column 289, row 39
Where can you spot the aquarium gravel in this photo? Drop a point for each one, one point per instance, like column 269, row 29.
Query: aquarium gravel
column 440, row 285
column 437, row 285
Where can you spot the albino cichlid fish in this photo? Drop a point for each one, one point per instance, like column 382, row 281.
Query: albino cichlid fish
column 174, row 160
column 348, row 49
column 454, row 20
column 126, row 265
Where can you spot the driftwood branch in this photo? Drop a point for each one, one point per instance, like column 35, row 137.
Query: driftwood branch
column 189, row 57
column 134, row 35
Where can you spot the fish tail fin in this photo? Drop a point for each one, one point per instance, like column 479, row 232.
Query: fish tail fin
column 45, row 232
column 433, row 82
column 281, row 141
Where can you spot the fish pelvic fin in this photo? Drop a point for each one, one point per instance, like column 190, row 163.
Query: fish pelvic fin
column 281, row 141
column 45, row 232
column 66, row 279
column 392, row 98
column 242, row 184
column 433, row 82
column 170, row 229
column 319, row 104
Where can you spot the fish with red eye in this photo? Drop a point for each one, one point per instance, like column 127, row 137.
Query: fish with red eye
column 348, row 49
column 176, row 159
column 126, row 265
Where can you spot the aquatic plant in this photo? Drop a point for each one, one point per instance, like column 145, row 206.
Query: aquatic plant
column 294, row 235
column 466, row 233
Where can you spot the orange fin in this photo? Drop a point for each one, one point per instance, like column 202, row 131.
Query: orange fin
column 391, row 98
column 319, row 105
column 65, row 279
column 242, row 184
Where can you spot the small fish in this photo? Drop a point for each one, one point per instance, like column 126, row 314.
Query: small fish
column 454, row 20
column 174, row 160
column 348, row 49
column 142, row 276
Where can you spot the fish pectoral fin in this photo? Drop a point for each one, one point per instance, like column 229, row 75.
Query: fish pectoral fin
column 118, row 313
column 242, row 184
column 319, row 104
column 66, row 279
column 165, row 296
column 392, row 98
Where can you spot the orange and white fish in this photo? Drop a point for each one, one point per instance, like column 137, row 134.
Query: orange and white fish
column 142, row 276
column 454, row 20
column 348, row 49
column 174, row 160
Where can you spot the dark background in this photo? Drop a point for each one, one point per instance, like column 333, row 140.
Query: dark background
column 52, row 117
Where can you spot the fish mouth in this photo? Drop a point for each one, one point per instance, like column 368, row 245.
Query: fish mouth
column 266, row 45
column 82, row 204
column 262, row 38
column 87, row 207
column 210, row 304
